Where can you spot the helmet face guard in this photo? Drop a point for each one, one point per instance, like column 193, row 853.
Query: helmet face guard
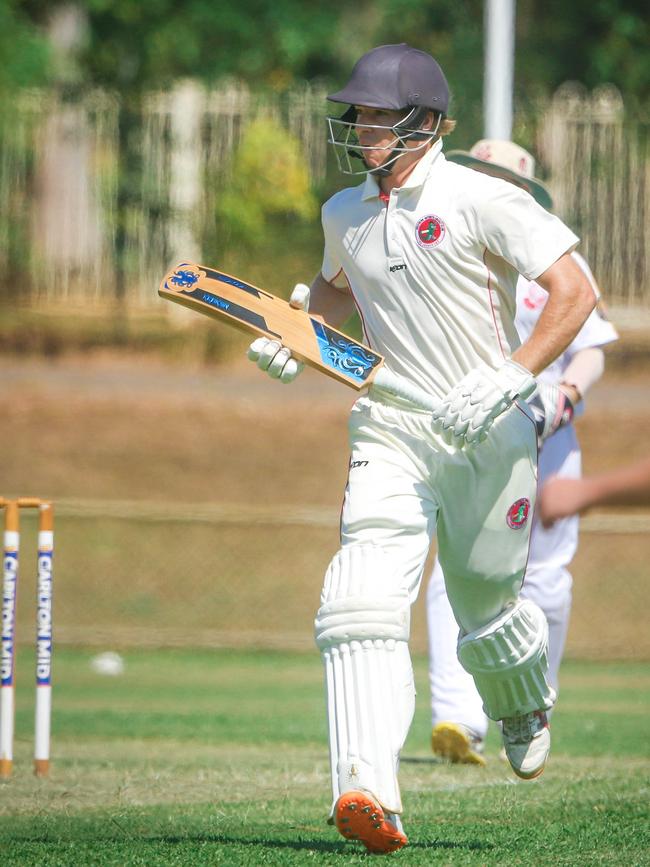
column 345, row 141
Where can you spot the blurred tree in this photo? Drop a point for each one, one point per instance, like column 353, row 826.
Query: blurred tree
column 23, row 48
column 269, row 180
column 590, row 41
column 148, row 43
column 135, row 44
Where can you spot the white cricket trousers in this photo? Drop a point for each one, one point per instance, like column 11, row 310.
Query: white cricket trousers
column 406, row 484
column 547, row 582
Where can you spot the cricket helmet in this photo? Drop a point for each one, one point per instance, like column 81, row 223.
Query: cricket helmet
column 395, row 77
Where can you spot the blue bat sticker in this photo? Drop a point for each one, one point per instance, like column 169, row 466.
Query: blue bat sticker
column 342, row 353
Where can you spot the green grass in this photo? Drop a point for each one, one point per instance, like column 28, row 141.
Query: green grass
column 220, row 758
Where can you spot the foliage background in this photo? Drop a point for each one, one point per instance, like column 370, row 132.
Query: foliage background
column 132, row 44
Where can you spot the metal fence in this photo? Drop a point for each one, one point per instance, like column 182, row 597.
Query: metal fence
column 65, row 230
column 130, row 574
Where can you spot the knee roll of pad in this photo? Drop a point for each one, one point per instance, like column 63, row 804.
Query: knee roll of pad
column 508, row 661
column 362, row 599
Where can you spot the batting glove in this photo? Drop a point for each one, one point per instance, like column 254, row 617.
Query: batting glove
column 468, row 412
column 270, row 355
column 552, row 409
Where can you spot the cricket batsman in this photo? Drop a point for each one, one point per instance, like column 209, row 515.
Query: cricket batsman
column 429, row 252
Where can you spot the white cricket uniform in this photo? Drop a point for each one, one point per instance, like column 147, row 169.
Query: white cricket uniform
column 433, row 273
column 547, row 581
column 459, row 240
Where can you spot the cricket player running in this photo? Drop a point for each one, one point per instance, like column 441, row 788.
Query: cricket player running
column 459, row 723
column 429, row 253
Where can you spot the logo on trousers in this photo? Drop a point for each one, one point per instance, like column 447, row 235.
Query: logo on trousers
column 517, row 514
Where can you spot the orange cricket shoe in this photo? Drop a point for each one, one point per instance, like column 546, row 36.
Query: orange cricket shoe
column 358, row 816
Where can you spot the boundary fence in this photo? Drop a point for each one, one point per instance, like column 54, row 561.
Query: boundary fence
column 66, row 230
column 143, row 574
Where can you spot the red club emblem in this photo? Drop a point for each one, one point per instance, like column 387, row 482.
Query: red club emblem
column 517, row 514
column 430, row 231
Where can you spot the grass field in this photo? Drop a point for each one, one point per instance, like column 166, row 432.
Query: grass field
column 220, row 758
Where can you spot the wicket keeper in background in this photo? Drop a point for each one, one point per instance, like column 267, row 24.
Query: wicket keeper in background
column 429, row 253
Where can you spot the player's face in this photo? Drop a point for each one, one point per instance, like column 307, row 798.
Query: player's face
column 374, row 128
column 371, row 136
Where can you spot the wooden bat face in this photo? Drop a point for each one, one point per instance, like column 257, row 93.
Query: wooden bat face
column 243, row 305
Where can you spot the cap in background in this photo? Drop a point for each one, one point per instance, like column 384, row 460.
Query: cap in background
column 505, row 159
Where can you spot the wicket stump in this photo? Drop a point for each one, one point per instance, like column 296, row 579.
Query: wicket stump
column 43, row 710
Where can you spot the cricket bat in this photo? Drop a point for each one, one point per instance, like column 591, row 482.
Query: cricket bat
column 244, row 306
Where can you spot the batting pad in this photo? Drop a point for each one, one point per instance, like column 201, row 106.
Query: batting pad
column 362, row 628
column 363, row 597
column 508, row 661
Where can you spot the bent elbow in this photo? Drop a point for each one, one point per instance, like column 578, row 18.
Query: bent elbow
column 586, row 298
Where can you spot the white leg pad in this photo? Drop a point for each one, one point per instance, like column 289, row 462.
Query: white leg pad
column 362, row 629
column 508, row 659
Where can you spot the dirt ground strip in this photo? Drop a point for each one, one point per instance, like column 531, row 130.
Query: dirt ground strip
column 130, row 428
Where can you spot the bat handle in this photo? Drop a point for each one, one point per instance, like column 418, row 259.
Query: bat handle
column 402, row 388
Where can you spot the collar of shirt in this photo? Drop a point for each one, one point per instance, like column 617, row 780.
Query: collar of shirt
column 432, row 158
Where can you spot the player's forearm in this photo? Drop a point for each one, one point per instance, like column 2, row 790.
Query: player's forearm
column 571, row 300
column 629, row 486
column 585, row 368
column 555, row 330
column 330, row 303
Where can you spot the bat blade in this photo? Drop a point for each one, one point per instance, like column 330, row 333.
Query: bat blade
column 242, row 305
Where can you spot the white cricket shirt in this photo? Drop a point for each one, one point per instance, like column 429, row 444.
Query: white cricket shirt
column 434, row 272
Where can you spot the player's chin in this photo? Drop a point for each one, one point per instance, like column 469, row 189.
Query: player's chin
column 374, row 159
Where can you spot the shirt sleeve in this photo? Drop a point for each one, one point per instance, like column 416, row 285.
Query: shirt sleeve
column 511, row 224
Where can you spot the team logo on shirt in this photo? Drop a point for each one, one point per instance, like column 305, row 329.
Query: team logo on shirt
column 429, row 231
column 517, row 514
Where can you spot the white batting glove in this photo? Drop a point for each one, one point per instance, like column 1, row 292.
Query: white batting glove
column 270, row 355
column 552, row 409
column 468, row 412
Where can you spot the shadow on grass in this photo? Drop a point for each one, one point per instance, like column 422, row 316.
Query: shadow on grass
column 341, row 847
column 320, row 845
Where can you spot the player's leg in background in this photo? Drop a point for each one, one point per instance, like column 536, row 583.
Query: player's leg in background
column 557, row 610
column 548, row 581
column 362, row 626
column 486, row 501
column 458, row 722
